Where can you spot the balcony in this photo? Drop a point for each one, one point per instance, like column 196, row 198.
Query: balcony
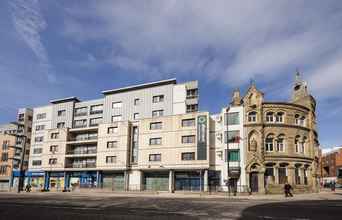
column 95, row 112
column 80, row 126
column 81, row 165
column 82, row 151
column 78, row 114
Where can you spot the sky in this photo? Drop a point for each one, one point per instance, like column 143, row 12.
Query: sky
column 53, row 49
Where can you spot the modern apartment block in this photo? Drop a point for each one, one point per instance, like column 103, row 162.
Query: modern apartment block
column 78, row 144
column 15, row 148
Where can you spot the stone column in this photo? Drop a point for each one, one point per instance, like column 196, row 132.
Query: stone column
column 171, row 181
column 126, row 179
column 291, row 175
column 205, row 181
column 276, row 175
column 261, row 182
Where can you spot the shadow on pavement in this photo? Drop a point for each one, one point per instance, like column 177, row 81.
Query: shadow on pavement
column 315, row 209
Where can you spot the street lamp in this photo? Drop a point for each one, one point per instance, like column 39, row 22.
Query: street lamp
column 227, row 155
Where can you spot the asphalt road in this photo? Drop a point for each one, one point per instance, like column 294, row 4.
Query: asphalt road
column 83, row 207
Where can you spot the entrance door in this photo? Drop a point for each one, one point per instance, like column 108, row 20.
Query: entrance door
column 253, row 181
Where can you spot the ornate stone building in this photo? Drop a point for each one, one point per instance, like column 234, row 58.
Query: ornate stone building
column 281, row 141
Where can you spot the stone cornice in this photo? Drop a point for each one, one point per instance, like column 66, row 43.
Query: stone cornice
column 286, row 103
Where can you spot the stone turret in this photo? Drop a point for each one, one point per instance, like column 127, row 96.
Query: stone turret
column 236, row 98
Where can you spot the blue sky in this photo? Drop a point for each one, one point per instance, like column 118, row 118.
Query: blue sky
column 52, row 49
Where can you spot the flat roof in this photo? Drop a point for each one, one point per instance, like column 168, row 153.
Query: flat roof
column 68, row 99
column 141, row 86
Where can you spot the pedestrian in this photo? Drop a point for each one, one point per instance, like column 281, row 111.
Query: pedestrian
column 333, row 186
column 287, row 190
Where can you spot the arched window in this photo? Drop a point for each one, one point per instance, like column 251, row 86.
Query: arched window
column 252, row 117
column 302, row 121
column 297, row 119
column 269, row 143
column 302, row 147
column 297, row 143
column 279, row 117
column 269, row 117
column 281, row 143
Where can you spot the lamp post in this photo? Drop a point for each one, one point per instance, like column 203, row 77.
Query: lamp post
column 227, row 155
column 20, row 180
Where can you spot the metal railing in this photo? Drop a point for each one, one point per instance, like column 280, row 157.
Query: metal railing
column 82, row 151
column 81, row 165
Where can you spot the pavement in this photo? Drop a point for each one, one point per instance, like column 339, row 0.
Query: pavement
column 325, row 205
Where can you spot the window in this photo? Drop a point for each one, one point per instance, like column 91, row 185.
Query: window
column 136, row 101
column 188, row 122
column 80, row 123
column 158, row 98
column 61, row 113
column 54, row 148
column 116, row 104
column 5, row 145
column 269, row 143
column 36, row 162
column 53, row 161
column 302, row 149
column 233, row 156
column 280, row 143
column 110, row 159
column 116, row 118
column 54, row 135
column 3, row 169
column 157, row 113
column 155, row 141
column 269, row 117
column 4, row 156
column 302, row 121
column 191, row 108
column 233, row 136
column 112, row 130
column 41, row 116
column 37, row 150
column 82, row 111
column 96, row 109
column 279, row 118
column 156, row 125
column 191, row 93
column 232, row 119
column 188, row 139
column 136, row 116
column 39, row 139
column 188, row 156
column 95, row 121
column 154, row 157
column 297, row 144
column 60, row 124
column 40, row 127
column 112, row 144
column 21, row 117
column 29, row 118
column 252, row 117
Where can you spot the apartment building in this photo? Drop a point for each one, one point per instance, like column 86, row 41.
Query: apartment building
column 15, row 148
column 71, row 139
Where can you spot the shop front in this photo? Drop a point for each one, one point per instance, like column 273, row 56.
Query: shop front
column 156, row 181
column 113, row 181
column 84, row 179
column 35, row 179
column 56, row 181
column 189, row 181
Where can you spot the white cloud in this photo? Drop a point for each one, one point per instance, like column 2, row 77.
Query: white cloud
column 29, row 23
column 221, row 40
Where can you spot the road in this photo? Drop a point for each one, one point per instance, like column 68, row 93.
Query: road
column 83, row 207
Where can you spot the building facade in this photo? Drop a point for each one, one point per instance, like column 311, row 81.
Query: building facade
column 15, row 141
column 281, row 141
column 331, row 167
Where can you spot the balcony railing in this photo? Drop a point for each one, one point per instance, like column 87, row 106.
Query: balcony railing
column 96, row 112
column 80, row 114
column 83, row 138
column 82, row 151
column 80, row 126
column 81, row 165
